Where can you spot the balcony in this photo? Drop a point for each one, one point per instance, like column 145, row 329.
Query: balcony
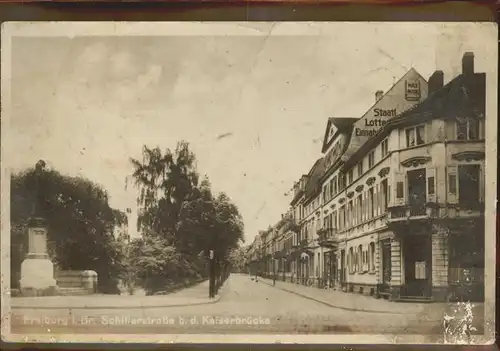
column 401, row 218
column 408, row 212
column 292, row 226
column 327, row 237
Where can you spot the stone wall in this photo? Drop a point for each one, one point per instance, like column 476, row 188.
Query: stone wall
column 86, row 280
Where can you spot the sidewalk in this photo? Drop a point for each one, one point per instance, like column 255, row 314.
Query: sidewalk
column 354, row 302
column 195, row 295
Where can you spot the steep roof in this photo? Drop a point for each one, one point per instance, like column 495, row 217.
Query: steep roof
column 394, row 99
column 313, row 185
column 297, row 194
column 463, row 95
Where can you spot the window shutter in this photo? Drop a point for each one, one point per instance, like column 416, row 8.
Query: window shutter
column 389, row 195
column 367, row 205
column 363, row 210
column 452, row 180
column 370, row 197
column 399, row 189
column 381, row 199
column 392, row 191
column 376, row 200
column 431, row 184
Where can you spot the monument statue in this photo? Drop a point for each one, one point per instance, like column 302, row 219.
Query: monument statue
column 37, row 270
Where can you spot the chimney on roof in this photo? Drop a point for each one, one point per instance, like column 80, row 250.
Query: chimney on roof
column 468, row 63
column 436, row 81
column 378, row 95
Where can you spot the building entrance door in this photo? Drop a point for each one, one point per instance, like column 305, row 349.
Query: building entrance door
column 417, row 266
column 386, row 266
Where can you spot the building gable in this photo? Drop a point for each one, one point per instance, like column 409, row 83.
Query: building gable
column 330, row 132
column 409, row 91
column 335, row 127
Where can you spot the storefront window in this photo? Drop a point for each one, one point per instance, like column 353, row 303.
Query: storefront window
column 466, row 258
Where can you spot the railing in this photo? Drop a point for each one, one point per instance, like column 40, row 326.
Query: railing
column 397, row 213
column 327, row 235
column 418, row 211
column 408, row 211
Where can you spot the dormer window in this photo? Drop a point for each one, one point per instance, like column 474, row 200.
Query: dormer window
column 467, row 129
column 415, row 136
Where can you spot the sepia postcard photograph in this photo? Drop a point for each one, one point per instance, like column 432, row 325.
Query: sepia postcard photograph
column 249, row 182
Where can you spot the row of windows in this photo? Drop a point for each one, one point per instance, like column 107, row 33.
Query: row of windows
column 310, row 208
column 367, row 205
column 415, row 188
column 339, row 183
column 466, row 129
column 360, row 260
column 464, row 186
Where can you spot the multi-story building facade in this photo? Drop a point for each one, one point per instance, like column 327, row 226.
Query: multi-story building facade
column 332, row 181
column 366, row 183
column 294, row 258
column 429, row 189
column 395, row 207
column 254, row 256
column 306, row 248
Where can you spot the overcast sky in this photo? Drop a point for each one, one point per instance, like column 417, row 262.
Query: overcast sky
column 87, row 104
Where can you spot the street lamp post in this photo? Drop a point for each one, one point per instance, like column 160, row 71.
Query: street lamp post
column 211, row 274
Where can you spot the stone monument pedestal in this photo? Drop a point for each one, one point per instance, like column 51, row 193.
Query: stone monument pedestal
column 37, row 270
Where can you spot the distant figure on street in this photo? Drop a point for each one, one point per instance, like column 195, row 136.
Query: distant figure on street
column 274, row 279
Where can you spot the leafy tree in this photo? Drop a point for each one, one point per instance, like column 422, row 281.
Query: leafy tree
column 181, row 215
column 158, row 265
column 237, row 259
column 196, row 221
column 164, row 181
column 80, row 224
